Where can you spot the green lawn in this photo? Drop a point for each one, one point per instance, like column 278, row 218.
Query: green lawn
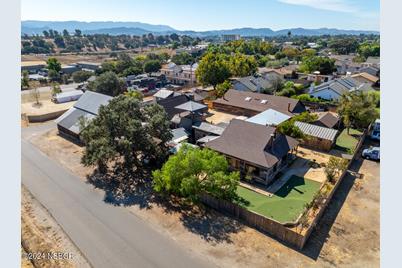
column 286, row 204
column 347, row 142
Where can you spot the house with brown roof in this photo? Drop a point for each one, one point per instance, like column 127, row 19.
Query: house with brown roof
column 327, row 119
column 259, row 152
column 366, row 78
column 250, row 103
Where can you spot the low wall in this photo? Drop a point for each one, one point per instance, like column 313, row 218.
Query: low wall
column 45, row 117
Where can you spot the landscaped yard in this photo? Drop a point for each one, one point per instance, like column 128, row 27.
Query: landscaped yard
column 286, row 204
column 348, row 142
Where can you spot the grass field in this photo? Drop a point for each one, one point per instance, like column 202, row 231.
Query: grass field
column 286, row 204
column 347, row 142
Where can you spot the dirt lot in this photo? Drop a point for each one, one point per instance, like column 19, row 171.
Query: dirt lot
column 347, row 235
column 41, row 234
column 218, row 117
column 62, row 150
column 46, row 107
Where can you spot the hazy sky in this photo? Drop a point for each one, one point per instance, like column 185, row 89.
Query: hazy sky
column 218, row 14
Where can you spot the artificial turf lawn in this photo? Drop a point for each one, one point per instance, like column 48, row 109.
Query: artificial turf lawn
column 286, row 204
column 347, row 142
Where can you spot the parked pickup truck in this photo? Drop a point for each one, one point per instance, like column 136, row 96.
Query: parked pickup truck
column 372, row 153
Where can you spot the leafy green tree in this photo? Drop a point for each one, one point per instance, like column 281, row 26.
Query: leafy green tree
column 241, row 65
column 324, row 65
column 25, row 80
column 222, row 88
column 66, row 33
column 152, row 66
column 46, row 34
column 53, row 64
column 367, row 49
column 78, row 33
column 357, row 109
column 134, row 94
column 335, row 167
column 108, row 83
column 193, row 171
column 53, row 75
column 81, row 76
column 183, row 58
column 291, row 52
column 212, row 70
column 308, row 52
column 290, row 129
column 126, row 135
column 56, row 89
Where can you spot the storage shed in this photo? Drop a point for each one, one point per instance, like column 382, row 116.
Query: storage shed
column 321, row 138
column 67, row 96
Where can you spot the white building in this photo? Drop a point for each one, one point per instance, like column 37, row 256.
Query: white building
column 180, row 74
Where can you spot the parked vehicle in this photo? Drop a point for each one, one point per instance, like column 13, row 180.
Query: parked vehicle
column 375, row 135
column 372, row 153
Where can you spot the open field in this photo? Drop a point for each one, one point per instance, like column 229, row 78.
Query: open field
column 286, row 204
column 346, row 236
column 99, row 56
column 347, row 142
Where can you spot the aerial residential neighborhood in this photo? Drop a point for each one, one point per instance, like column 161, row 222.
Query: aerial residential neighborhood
column 147, row 146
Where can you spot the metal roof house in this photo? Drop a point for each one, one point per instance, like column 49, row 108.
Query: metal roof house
column 269, row 117
column 86, row 107
column 321, row 138
column 334, row 89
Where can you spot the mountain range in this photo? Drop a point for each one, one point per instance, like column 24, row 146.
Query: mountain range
column 139, row 28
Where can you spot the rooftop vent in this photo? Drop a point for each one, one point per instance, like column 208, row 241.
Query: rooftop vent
column 247, row 99
column 264, row 101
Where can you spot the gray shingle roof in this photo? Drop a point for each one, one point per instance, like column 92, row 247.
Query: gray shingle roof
column 91, row 101
column 252, row 143
column 210, row 128
column 317, row 131
column 191, row 106
column 260, row 102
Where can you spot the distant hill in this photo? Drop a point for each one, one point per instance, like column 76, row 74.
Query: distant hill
column 139, row 28
column 35, row 26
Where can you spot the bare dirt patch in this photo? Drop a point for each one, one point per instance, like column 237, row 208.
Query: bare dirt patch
column 41, row 236
column 67, row 153
column 219, row 117
column 346, row 236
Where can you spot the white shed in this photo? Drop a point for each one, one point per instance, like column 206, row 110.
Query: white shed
column 67, row 96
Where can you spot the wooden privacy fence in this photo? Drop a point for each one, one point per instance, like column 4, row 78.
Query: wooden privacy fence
column 270, row 226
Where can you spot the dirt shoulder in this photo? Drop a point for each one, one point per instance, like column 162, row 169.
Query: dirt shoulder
column 347, row 235
column 42, row 238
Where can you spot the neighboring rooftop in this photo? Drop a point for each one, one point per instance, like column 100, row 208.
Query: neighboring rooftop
column 317, row 131
column 342, row 85
column 179, row 135
column 260, row 102
column 163, row 93
column 191, row 106
column 269, row 117
column 373, row 79
column 327, row 119
column 252, row 142
column 210, row 128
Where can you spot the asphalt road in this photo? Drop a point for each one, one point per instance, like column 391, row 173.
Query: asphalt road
column 107, row 235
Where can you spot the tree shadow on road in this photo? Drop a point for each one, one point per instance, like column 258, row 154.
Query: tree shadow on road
column 128, row 189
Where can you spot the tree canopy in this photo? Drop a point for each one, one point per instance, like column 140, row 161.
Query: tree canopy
column 126, row 135
column 357, row 109
column 81, row 76
column 53, row 64
column 108, row 83
column 212, row 69
column 193, row 171
column 311, row 64
column 152, row 66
